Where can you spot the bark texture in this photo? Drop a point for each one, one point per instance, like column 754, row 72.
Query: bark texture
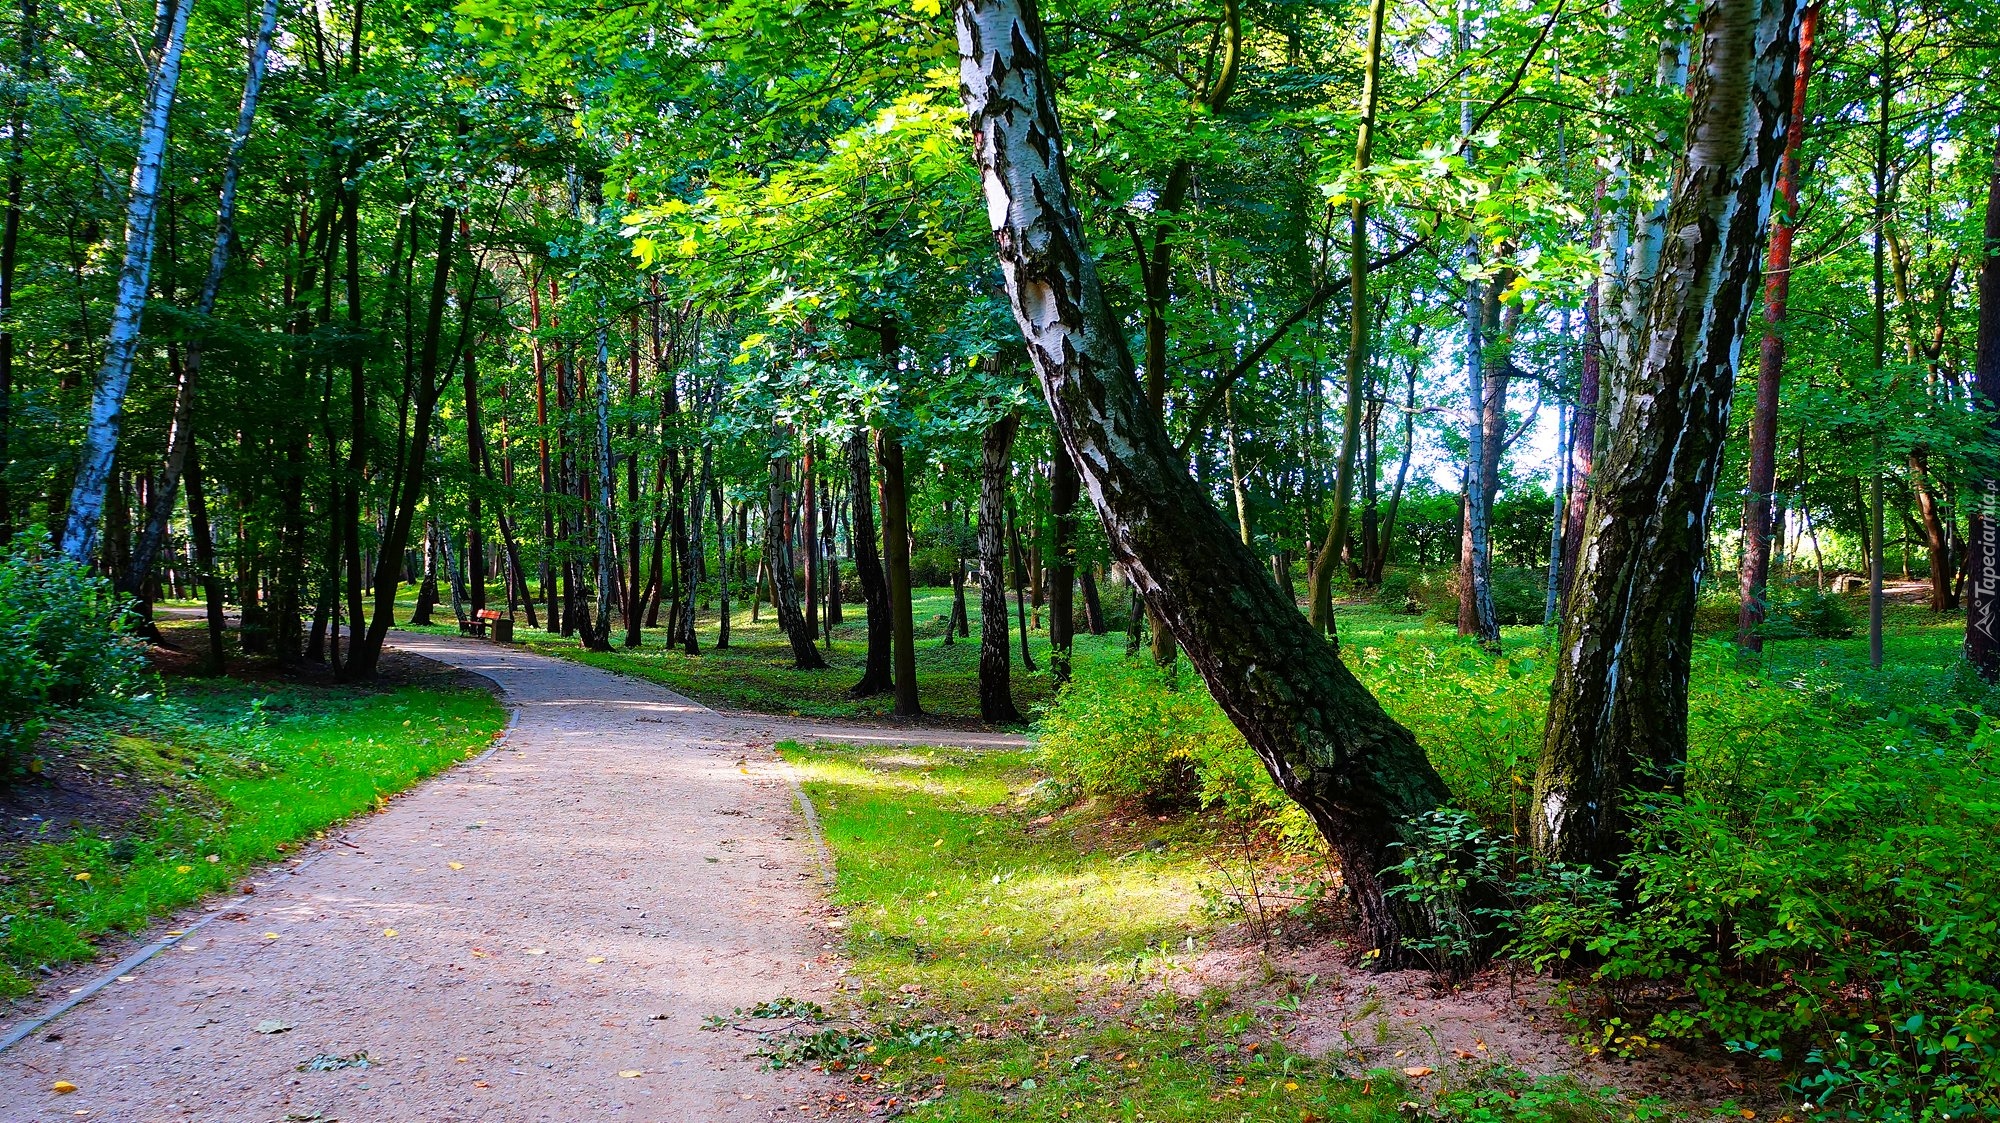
column 996, row 697
column 1618, row 706
column 1324, row 738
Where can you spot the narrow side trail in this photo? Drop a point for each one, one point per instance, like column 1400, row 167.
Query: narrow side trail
column 565, row 913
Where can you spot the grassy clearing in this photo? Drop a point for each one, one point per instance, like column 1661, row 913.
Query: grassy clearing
column 1022, row 965
column 238, row 773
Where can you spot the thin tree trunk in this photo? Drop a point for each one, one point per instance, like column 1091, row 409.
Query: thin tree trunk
column 1326, row 742
column 1618, row 707
column 1063, row 490
column 408, row 479
column 10, row 240
column 996, row 698
column 896, row 542
column 1093, row 612
column 142, row 208
column 179, row 433
column 204, row 559
column 1402, row 474
column 1763, row 470
column 721, row 567
column 778, row 524
column 1321, row 613
column 876, row 674
column 1020, row 583
column 427, row 586
column 599, row 635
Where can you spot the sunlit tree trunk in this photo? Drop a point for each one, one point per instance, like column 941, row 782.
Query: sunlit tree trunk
column 1618, row 707
column 1763, row 470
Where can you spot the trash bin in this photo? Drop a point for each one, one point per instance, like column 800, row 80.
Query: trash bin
column 503, row 630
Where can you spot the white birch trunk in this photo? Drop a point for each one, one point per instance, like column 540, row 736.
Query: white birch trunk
column 180, row 433
column 142, row 211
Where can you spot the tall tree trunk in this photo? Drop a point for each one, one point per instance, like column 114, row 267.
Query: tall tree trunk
column 1618, row 706
column 876, row 675
column 815, row 563
column 475, row 531
column 996, row 698
column 29, row 34
column 1488, row 341
column 721, row 566
column 204, row 558
column 407, row 485
column 1325, row 740
column 778, row 524
column 1093, row 612
column 1763, row 471
column 1321, row 613
column 599, row 635
column 1582, row 438
column 542, row 465
column 142, row 209
column 1063, row 490
column 896, row 543
column 1887, row 90
column 179, row 433
column 1402, row 473
column 636, row 582
column 1982, row 553
column 1020, row 558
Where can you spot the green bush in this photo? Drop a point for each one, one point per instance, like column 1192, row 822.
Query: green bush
column 64, row 640
column 1132, row 730
column 1519, row 595
column 1823, row 894
column 1804, row 612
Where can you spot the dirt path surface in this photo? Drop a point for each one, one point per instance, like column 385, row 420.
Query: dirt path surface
column 564, row 913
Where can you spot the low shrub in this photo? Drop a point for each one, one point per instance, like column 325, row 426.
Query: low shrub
column 1822, row 894
column 1804, row 612
column 1519, row 595
column 64, row 640
column 1133, row 730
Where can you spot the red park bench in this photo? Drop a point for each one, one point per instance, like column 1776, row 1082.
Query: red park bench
column 481, row 620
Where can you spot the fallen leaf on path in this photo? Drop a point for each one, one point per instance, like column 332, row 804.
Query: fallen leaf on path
column 479, row 1084
column 456, row 865
column 595, row 959
column 1418, row 1070
column 62, row 1087
column 390, row 932
column 536, row 951
column 272, row 1025
column 630, row 1073
column 270, row 935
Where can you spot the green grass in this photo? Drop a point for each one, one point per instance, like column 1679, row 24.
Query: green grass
column 1045, row 946
column 245, row 770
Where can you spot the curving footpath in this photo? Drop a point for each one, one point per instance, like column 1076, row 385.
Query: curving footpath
column 566, row 911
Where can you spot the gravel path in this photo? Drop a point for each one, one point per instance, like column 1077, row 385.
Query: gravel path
column 565, row 913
